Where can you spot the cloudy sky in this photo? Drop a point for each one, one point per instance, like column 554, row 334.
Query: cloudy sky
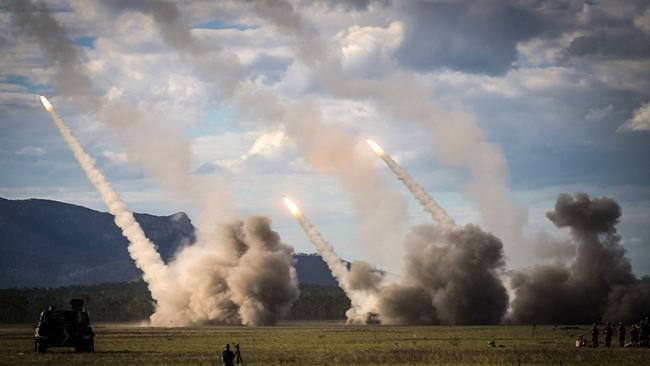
column 219, row 108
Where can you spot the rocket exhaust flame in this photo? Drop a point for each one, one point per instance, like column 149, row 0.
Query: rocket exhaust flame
column 325, row 249
column 376, row 148
column 141, row 249
column 428, row 203
column 46, row 103
column 360, row 300
column 295, row 211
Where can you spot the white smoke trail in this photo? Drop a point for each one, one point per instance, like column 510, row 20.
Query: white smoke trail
column 141, row 249
column 362, row 301
column 428, row 203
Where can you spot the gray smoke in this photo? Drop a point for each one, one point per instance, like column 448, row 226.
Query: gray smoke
column 458, row 270
column 364, row 276
column 241, row 274
column 35, row 21
column 451, row 277
column 597, row 285
column 236, row 273
column 456, row 135
column 143, row 252
column 328, row 148
column 264, row 282
column 363, row 280
column 403, row 304
column 427, row 202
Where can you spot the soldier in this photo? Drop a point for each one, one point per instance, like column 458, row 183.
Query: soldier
column 621, row 334
column 594, row 336
column 43, row 323
column 227, row 356
column 608, row 331
column 644, row 333
column 238, row 359
column 634, row 335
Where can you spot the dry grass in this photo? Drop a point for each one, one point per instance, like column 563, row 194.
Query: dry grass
column 326, row 344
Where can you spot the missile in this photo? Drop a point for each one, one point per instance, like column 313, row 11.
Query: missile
column 375, row 147
column 295, row 211
column 46, row 103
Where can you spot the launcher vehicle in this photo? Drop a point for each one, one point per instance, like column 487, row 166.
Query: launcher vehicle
column 65, row 328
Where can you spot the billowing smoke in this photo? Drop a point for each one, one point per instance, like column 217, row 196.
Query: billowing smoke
column 451, row 277
column 143, row 251
column 37, row 23
column 244, row 275
column 329, row 149
column 597, row 285
column 455, row 134
column 256, row 286
column 459, row 269
column 438, row 213
column 152, row 142
column 356, row 285
column 453, row 272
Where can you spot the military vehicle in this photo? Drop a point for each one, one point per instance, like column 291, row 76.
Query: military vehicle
column 65, row 328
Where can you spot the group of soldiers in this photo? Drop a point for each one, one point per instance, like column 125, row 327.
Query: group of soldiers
column 231, row 358
column 639, row 335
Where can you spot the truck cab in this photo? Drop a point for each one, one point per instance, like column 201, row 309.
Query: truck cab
column 65, row 328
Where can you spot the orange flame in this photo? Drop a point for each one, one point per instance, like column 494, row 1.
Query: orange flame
column 376, row 148
column 295, row 211
column 46, row 103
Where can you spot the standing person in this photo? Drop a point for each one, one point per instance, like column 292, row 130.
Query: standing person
column 621, row 334
column 594, row 336
column 227, row 356
column 634, row 335
column 238, row 359
column 608, row 331
column 644, row 332
column 534, row 330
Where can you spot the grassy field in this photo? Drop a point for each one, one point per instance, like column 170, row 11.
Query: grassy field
column 324, row 344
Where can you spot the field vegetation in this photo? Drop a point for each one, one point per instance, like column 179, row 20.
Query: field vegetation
column 321, row 343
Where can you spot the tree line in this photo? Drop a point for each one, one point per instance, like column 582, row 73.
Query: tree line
column 131, row 301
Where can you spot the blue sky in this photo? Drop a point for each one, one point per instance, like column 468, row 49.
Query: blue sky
column 176, row 102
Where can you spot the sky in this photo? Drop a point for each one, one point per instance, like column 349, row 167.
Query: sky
column 219, row 108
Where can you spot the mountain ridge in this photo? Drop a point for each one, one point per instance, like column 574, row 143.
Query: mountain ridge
column 47, row 243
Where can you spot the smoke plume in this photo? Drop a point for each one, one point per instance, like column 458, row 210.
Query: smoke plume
column 152, row 142
column 243, row 274
column 329, row 149
column 37, row 23
column 207, row 281
column 456, row 136
column 143, row 251
column 597, row 285
column 438, row 213
column 355, row 285
column 451, row 277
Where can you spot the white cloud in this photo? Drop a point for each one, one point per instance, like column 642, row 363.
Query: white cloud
column 369, row 49
column 640, row 120
column 269, row 144
column 643, row 21
column 115, row 158
column 31, row 151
